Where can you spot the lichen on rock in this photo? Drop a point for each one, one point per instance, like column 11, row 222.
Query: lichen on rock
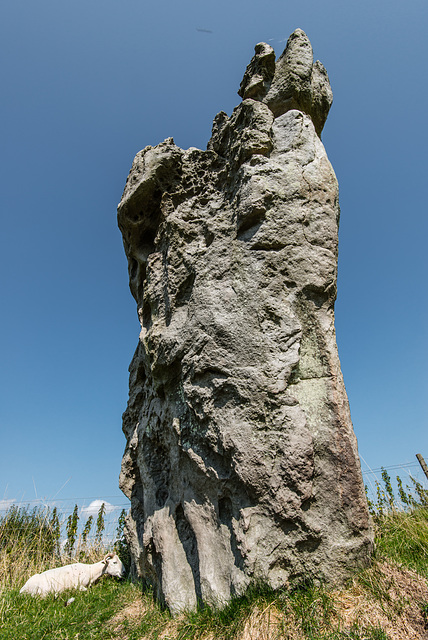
column 241, row 462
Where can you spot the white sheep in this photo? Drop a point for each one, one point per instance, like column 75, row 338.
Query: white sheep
column 73, row 576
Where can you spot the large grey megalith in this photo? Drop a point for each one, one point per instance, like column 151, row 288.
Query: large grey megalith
column 241, row 461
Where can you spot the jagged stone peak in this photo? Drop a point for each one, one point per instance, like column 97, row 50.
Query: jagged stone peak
column 293, row 81
column 259, row 73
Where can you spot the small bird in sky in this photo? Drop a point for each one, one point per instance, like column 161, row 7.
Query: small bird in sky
column 204, row 30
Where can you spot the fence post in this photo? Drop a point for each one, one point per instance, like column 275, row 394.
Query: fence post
column 422, row 463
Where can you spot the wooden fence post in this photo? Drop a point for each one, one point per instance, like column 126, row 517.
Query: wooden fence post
column 422, row 463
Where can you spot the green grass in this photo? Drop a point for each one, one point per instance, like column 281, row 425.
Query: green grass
column 403, row 537
column 228, row 621
column 91, row 616
column 401, row 523
column 306, row 613
column 28, row 618
column 120, row 610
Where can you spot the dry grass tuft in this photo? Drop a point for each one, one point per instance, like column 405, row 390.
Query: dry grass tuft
column 263, row 624
column 387, row 596
column 133, row 612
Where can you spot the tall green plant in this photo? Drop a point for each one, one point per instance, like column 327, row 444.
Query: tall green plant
column 389, row 493
column 100, row 524
column 386, row 502
column 403, row 495
column 87, row 529
column 120, row 545
column 420, row 492
column 55, row 530
column 71, row 529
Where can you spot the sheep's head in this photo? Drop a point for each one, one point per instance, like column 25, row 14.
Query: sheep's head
column 114, row 566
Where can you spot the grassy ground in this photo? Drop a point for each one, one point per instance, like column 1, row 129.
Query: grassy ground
column 27, row 618
column 382, row 603
column 387, row 601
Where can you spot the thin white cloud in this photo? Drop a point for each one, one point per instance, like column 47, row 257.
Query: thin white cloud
column 93, row 508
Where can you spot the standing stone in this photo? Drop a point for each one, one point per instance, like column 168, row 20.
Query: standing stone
column 241, row 462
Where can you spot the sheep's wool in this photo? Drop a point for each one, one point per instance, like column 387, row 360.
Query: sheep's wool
column 241, row 462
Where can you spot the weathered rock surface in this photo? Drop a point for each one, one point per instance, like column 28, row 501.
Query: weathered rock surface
column 241, row 461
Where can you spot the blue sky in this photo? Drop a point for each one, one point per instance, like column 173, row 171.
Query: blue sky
column 87, row 84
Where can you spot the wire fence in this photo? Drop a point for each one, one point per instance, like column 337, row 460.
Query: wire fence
column 395, row 467
column 89, row 506
column 408, row 474
column 120, row 502
column 81, row 514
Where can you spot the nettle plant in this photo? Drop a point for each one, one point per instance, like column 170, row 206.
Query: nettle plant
column 413, row 497
column 81, row 546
